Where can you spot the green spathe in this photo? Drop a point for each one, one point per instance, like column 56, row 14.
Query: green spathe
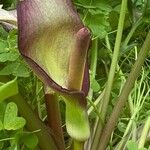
column 54, row 42
column 77, row 121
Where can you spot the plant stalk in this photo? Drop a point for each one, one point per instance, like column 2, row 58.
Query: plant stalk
column 77, row 145
column 54, row 118
column 93, row 65
column 133, row 29
column 33, row 123
column 144, row 133
column 111, row 74
column 109, row 127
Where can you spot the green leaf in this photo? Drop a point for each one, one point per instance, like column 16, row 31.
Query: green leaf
column 84, row 2
column 95, row 85
column 1, row 125
column 30, row 140
column 132, row 145
column 97, row 17
column 99, row 26
column 10, row 56
column 3, row 46
column 9, row 89
column 11, row 121
column 121, row 127
column 2, row 110
column 7, row 3
column 146, row 13
column 143, row 149
column 17, row 69
column 103, row 6
column 1, row 145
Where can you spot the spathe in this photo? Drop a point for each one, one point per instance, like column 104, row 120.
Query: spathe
column 54, row 42
column 49, row 32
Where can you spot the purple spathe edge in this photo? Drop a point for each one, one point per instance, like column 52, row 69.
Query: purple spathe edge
column 78, row 95
column 23, row 45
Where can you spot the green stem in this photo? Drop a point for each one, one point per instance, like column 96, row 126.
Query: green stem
column 109, row 127
column 114, row 59
column 34, row 123
column 93, row 65
column 54, row 118
column 78, row 145
column 38, row 98
column 144, row 133
column 111, row 73
column 127, row 131
column 133, row 29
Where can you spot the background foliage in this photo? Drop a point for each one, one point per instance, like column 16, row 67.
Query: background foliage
column 102, row 19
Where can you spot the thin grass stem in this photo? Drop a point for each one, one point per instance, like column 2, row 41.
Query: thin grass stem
column 109, row 127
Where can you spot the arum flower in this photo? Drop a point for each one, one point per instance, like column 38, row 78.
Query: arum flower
column 54, row 42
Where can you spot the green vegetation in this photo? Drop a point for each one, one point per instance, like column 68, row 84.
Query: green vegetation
column 34, row 117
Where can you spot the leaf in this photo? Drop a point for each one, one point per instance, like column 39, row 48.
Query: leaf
column 3, row 46
column 2, row 110
column 132, row 145
column 100, row 26
column 11, row 121
column 17, row 69
column 8, row 89
column 146, row 13
column 1, row 145
column 101, row 5
column 84, row 2
column 30, row 140
column 7, row 3
column 10, row 56
column 95, row 85
column 12, row 40
column 121, row 127
column 97, row 17
column 1, row 125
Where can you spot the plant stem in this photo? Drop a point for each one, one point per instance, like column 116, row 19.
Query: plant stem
column 144, row 133
column 109, row 127
column 135, row 25
column 54, row 118
column 38, row 98
column 127, row 131
column 78, row 145
column 34, row 123
column 111, row 73
column 114, row 59
column 93, row 65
